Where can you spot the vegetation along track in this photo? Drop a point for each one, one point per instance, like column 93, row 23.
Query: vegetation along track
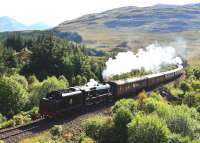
column 17, row 132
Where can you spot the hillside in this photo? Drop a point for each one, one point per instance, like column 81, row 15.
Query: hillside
column 159, row 18
column 134, row 27
column 9, row 24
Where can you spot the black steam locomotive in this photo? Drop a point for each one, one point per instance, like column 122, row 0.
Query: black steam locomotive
column 81, row 97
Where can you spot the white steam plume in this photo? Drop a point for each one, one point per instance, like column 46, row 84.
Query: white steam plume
column 151, row 59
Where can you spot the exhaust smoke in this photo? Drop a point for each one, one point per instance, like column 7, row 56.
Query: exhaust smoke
column 151, row 59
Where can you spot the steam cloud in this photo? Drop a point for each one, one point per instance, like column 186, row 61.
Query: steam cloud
column 150, row 59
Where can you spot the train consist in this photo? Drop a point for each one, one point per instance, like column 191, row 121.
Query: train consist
column 80, row 97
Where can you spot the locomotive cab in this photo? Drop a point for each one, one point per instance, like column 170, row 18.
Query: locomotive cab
column 60, row 101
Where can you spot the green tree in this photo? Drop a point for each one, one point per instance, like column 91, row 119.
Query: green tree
column 192, row 99
column 185, row 86
column 122, row 117
column 8, row 60
column 80, row 80
column 129, row 104
column 14, row 41
column 13, row 96
column 40, row 90
column 147, row 129
column 52, row 56
column 177, row 138
column 101, row 129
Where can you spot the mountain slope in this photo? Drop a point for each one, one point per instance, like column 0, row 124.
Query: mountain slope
column 9, row 24
column 158, row 18
column 131, row 28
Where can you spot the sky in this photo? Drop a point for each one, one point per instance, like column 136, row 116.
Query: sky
column 53, row 12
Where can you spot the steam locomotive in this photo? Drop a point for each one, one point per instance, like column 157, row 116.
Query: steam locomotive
column 80, row 97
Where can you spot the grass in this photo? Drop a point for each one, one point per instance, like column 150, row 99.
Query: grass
column 107, row 39
column 38, row 138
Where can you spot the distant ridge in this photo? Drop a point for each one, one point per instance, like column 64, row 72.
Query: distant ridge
column 158, row 18
column 10, row 24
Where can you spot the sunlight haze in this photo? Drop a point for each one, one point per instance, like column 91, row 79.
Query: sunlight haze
column 53, row 12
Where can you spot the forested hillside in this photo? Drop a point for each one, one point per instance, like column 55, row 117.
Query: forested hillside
column 33, row 66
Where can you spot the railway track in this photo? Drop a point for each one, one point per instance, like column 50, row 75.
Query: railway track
column 8, row 133
column 16, row 134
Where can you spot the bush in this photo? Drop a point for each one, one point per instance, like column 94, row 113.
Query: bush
column 32, row 79
column 2, row 118
column 56, row 130
column 100, row 129
column 182, row 121
column 177, row 138
column 13, row 96
column 51, row 84
column 40, row 90
column 8, row 123
column 121, row 118
column 147, row 129
column 21, row 80
column 129, row 104
column 21, row 119
column 34, row 113
column 156, row 96
column 141, row 98
column 87, row 140
column 152, row 105
column 192, row 99
column 185, row 86
column 196, row 141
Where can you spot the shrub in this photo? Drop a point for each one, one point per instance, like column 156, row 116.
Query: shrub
column 63, row 78
column 21, row 119
column 182, row 120
column 34, row 113
column 147, row 129
column 100, row 129
column 177, row 138
column 56, row 130
column 13, row 96
column 152, row 105
column 129, row 104
column 21, row 80
column 51, row 84
column 87, row 140
column 185, row 86
column 2, row 118
column 32, row 79
column 142, row 96
column 8, row 123
column 196, row 141
column 121, row 118
column 192, row 99
column 156, row 96
column 40, row 90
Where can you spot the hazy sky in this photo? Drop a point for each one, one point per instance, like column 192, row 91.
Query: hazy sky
column 53, row 12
